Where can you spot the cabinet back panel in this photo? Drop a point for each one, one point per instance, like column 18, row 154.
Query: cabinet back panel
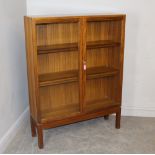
column 57, row 62
column 101, row 93
column 109, row 57
column 59, row 99
column 57, row 33
column 105, row 30
column 98, row 89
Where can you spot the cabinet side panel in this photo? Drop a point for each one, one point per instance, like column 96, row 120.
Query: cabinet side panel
column 122, row 57
column 30, row 68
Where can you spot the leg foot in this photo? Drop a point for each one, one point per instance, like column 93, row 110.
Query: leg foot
column 106, row 117
column 118, row 119
column 40, row 136
column 33, row 129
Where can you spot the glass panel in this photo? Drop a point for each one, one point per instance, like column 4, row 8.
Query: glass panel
column 103, row 64
column 58, row 63
column 59, row 101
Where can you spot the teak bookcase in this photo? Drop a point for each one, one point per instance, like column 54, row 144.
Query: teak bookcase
column 75, row 69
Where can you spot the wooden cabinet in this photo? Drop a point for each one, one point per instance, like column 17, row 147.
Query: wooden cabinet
column 75, row 69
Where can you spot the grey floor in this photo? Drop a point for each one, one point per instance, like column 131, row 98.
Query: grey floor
column 137, row 135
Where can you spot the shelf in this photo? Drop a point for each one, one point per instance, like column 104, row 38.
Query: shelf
column 72, row 76
column 99, row 72
column 58, row 78
column 66, row 47
column 102, row 44
column 99, row 104
column 60, row 112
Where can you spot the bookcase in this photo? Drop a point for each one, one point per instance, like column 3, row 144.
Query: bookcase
column 75, row 69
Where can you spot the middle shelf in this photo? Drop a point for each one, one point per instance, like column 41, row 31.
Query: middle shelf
column 50, row 79
column 68, row 47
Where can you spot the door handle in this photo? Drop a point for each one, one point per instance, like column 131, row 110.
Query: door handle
column 84, row 65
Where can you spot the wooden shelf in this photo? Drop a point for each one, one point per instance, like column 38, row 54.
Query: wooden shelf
column 99, row 72
column 60, row 112
column 72, row 110
column 66, row 47
column 100, row 104
column 58, row 78
column 72, row 76
column 102, row 44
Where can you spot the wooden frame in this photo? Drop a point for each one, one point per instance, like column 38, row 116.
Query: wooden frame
column 75, row 69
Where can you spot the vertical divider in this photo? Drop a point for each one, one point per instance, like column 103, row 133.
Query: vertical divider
column 82, row 59
column 83, row 62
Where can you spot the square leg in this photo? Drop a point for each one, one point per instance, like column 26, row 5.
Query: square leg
column 106, row 117
column 40, row 136
column 118, row 119
column 33, row 127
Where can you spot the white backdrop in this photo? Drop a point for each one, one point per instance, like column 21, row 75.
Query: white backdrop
column 139, row 70
column 139, row 67
column 13, row 78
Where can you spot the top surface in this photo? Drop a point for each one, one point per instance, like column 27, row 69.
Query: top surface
column 76, row 15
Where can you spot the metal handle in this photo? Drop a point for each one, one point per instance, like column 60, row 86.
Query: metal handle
column 85, row 65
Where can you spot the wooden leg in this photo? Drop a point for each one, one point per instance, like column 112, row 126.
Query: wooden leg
column 106, row 117
column 40, row 136
column 118, row 119
column 33, row 129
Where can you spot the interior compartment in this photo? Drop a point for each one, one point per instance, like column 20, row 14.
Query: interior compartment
column 107, row 57
column 101, row 93
column 104, row 30
column 55, row 33
column 58, row 62
column 59, row 101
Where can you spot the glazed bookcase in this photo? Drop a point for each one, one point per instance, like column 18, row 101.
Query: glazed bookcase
column 75, row 69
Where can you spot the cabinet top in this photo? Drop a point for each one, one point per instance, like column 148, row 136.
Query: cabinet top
column 77, row 15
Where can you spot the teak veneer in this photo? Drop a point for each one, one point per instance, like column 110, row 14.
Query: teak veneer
column 75, row 69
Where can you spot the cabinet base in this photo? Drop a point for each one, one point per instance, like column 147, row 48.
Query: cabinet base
column 35, row 126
